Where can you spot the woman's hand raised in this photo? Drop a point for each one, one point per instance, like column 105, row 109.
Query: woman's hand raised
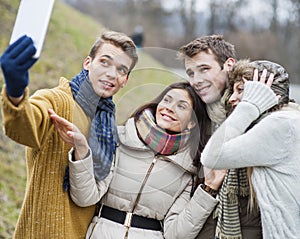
column 70, row 134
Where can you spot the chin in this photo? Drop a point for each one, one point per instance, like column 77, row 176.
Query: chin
column 104, row 94
column 210, row 100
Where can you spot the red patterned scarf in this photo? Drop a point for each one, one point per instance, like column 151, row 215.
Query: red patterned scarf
column 157, row 138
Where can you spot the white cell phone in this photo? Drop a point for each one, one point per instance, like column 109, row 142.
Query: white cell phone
column 32, row 20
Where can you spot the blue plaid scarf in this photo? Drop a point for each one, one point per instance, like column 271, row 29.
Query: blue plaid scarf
column 103, row 131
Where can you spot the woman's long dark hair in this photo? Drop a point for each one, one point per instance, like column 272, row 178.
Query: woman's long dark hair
column 200, row 133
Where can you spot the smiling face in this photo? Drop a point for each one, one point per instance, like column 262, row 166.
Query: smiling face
column 206, row 75
column 108, row 70
column 236, row 97
column 174, row 111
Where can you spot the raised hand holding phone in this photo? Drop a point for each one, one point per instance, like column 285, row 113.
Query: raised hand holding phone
column 32, row 20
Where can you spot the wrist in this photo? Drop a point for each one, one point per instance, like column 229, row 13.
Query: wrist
column 78, row 155
column 209, row 190
column 15, row 100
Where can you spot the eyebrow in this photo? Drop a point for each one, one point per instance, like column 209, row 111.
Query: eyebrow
column 112, row 59
column 197, row 66
column 185, row 102
column 202, row 65
column 181, row 101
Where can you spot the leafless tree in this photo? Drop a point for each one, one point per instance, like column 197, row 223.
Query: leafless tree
column 188, row 17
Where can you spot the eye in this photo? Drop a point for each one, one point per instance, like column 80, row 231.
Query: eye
column 122, row 71
column 190, row 74
column 104, row 62
column 166, row 99
column 182, row 106
column 203, row 69
column 240, row 89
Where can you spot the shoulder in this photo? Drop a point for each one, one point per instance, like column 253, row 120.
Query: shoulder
column 128, row 136
column 63, row 90
column 281, row 124
column 283, row 117
column 59, row 98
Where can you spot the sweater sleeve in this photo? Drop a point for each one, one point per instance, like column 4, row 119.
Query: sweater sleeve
column 187, row 215
column 263, row 145
column 29, row 121
column 85, row 190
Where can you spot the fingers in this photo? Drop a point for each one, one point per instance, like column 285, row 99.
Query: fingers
column 244, row 80
column 214, row 178
column 263, row 78
column 26, row 60
column 255, row 75
column 15, row 44
column 60, row 121
column 270, row 79
column 21, row 45
column 67, row 131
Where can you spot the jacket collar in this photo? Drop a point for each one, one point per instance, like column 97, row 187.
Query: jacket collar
column 127, row 135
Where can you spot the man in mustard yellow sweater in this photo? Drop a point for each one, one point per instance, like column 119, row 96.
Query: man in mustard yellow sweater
column 47, row 211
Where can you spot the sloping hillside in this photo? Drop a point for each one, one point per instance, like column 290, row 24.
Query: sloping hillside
column 69, row 37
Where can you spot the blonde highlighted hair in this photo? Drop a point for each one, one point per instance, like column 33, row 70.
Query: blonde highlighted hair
column 117, row 39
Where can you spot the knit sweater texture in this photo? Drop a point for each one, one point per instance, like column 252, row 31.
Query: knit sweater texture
column 47, row 211
column 272, row 147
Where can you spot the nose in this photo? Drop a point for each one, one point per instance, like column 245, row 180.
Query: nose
column 233, row 98
column 170, row 107
column 112, row 72
column 196, row 79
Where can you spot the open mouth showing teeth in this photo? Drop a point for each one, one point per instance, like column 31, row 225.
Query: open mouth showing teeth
column 107, row 84
column 168, row 117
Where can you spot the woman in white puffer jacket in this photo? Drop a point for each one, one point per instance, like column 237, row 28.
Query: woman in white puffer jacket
column 148, row 192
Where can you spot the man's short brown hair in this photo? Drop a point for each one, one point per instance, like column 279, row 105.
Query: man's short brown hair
column 117, row 39
column 215, row 43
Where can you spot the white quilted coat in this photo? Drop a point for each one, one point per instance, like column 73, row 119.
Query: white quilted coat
column 165, row 197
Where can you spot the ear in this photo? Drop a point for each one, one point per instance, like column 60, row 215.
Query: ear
column 191, row 125
column 229, row 64
column 86, row 63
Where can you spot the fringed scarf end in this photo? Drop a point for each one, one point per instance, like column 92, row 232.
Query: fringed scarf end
column 220, row 235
